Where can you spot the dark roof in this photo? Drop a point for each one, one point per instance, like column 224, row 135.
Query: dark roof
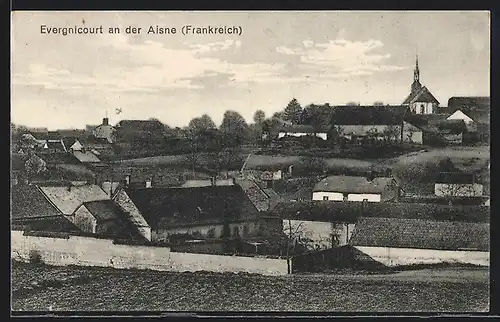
column 350, row 211
column 350, row 184
column 104, row 210
column 422, row 95
column 164, row 207
column 304, row 129
column 29, row 202
column 451, row 126
column 455, row 178
column 141, row 125
column 421, row 234
column 58, row 158
column 368, row 115
column 18, row 160
column 47, row 224
column 469, row 102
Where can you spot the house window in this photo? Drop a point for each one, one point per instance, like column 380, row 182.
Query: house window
column 325, row 198
column 365, row 200
column 422, row 109
column 236, row 231
column 345, row 197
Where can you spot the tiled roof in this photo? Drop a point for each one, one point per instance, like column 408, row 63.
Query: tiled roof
column 104, row 210
column 422, row 95
column 303, row 129
column 58, row 158
column 170, row 207
column 68, row 199
column 455, row 178
column 48, row 224
column 350, row 184
column 86, row 157
column 421, row 234
column 254, row 193
column 29, row 202
column 368, row 115
column 459, row 102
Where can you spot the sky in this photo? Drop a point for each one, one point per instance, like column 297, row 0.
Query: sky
column 316, row 57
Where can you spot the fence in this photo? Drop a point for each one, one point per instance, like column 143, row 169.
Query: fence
column 89, row 251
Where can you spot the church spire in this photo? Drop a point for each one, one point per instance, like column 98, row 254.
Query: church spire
column 416, row 72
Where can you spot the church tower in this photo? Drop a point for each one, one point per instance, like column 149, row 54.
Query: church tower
column 420, row 100
column 416, row 86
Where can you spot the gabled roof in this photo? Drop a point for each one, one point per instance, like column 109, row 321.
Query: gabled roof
column 421, row 234
column 58, row 158
column 68, row 199
column 350, row 184
column 368, row 115
column 423, row 95
column 254, row 193
column 170, row 207
column 86, row 157
column 29, row 202
column 104, row 210
column 455, row 178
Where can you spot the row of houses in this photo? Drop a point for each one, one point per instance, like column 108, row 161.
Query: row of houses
column 399, row 123
column 211, row 212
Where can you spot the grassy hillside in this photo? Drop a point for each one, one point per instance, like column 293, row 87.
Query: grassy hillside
column 100, row 289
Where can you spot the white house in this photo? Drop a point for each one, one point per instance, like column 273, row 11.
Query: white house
column 461, row 116
column 396, row 241
column 302, row 130
column 350, row 188
column 457, row 184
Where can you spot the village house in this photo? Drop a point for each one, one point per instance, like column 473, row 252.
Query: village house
column 105, row 131
column 396, row 241
column 72, row 144
column 303, row 130
column 202, row 212
column 457, row 184
column 104, row 217
column 351, row 188
column 420, row 100
column 379, row 122
column 31, row 210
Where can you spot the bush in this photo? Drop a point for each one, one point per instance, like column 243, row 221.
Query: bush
column 35, row 257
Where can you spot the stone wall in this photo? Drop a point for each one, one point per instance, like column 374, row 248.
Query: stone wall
column 89, row 251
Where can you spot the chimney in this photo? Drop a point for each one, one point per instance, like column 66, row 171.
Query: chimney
column 105, row 121
column 127, row 179
column 148, row 183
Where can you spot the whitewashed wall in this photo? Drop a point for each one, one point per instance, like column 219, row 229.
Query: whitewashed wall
column 363, row 196
column 320, row 135
column 407, row 256
column 418, row 106
column 458, row 190
column 334, row 196
column 87, row 251
column 319, row 232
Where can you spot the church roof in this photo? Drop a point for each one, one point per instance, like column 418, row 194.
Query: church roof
column 422, row 95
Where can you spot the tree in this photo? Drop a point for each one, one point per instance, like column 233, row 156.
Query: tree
column 312, row 116
column 352, row 104
column 391, row 134
column 313, row 164
column 259, row 117
column 294, row 238
column 378, row 103
column 34, row 166
column 202, row 123
column 293, row 111
column 234, row 127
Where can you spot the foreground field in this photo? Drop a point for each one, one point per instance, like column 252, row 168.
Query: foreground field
column 38, row 288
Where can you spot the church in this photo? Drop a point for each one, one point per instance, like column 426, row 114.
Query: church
column 420, row 100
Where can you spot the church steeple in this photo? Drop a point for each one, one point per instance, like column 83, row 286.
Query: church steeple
column 416, row 86
column 416, row 72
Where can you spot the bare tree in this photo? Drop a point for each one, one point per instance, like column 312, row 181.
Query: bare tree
column 391, row 134
column 295, row 238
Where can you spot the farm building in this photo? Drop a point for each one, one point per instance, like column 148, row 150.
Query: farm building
column 104, row 217
column 395, row 242
column 203, row 212
column 382, row 122
column 420, row 100
column 350, row 188
column 457, row 184
column 303, row 130
column 104, row 131
column 31, row 210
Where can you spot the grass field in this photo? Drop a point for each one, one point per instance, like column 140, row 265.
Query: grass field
column 36, row 288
